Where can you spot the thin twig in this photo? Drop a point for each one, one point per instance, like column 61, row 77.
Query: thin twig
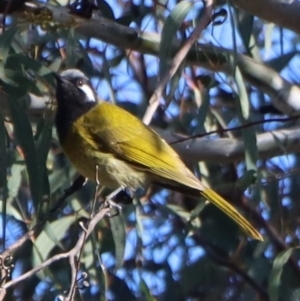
column 214, row 253
column 272, row 233
column 72, row 253
column 177, row 60
column 236, row 128
column 75, row 260
column 76, row 185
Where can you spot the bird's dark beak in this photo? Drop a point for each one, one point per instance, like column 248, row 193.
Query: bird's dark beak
column 58, row 78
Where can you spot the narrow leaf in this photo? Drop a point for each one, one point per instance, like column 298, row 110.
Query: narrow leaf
column 50, row 237
column 245, row 26
column 119, row 235
column 243, row 95
column 3, row 181
column 6, row 38
column 14, row 180
column 282, row 61
column 251, row 154
column 3, row 159
column 249, row 135
column 274, row 279
column 42, row 148
column 23, row 133
column 172, row 24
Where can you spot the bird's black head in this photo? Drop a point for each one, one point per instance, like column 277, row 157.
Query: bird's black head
column 75, row 96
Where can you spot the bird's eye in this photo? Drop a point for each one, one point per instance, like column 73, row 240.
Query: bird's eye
column 80, row 83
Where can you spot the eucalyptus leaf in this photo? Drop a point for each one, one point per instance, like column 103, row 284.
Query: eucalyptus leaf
column 282, row 61
column 172, row 24
column 3, row 181
column 119, row 235
column 249, row 135
column 24, row 136
column 14, row 180
column 6, row 39
column 3, row 159
column 245, row 26
column 49, row 238
column 42, row 148
column 146, row 291
column 275, row 276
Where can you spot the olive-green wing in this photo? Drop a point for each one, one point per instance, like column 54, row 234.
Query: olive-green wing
column 127, row 138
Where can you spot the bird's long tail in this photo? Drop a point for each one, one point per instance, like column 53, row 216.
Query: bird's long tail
column 218, row 201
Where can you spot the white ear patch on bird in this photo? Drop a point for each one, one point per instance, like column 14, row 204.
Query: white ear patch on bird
column 88, row 91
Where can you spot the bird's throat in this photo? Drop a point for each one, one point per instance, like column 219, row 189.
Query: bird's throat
column 66, row 115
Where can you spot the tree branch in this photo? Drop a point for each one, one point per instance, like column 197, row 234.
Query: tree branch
column 224, row 150
column 72, row 253
column 33, row 233
column 283, row 13
column 284, row 95
column 215, row 254
column 177, row 60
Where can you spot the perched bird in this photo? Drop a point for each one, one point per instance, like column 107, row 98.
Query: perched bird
column 127, row 152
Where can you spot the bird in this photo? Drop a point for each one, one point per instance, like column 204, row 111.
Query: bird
column 106, row 143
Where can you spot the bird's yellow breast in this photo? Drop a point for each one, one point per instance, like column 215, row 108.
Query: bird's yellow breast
column 85, row 154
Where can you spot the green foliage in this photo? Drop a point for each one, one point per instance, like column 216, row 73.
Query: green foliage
column 163, row 246
column 168, row 35
column 274, row 280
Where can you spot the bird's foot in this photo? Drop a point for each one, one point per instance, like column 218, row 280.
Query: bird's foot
column 115, row 208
